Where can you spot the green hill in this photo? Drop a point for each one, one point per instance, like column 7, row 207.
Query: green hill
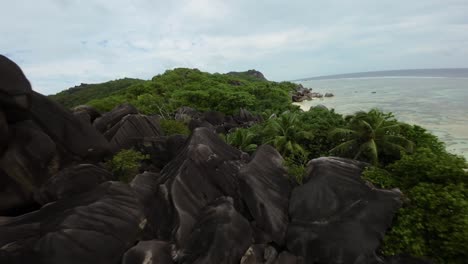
column 83, row 93
column 185, row 87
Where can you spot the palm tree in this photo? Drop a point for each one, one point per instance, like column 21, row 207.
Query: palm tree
column 242, row 139
column 370, row 134
column 285, row 134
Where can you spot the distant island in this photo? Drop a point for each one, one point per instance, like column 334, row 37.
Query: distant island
column 448, row 72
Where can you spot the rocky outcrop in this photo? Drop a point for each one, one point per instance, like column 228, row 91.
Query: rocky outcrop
column 200, row 200
column 220, row 235
column 72, row 181
column 336, row 217
column 149, row 252
column 15, row 91
column 217, row 121
column 75, row 139
column 267, row 206
column 86, row 113
column 133, row 130
column 95, row 227
column 306, row 94
column 109, row 119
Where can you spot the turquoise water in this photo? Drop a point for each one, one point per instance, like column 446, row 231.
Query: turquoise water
column 437, row 104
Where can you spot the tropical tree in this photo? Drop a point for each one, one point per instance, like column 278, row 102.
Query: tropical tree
column 242, row 139
column 285, row 133
column 370, row 135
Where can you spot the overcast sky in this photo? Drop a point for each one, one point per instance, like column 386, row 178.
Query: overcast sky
column 62, row 43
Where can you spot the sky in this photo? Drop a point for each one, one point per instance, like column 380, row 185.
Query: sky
column 62, row 43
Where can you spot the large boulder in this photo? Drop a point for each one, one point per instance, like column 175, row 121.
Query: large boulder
column 98, row 226
column 109, row 119
column 27, row 163
column 77, row 140
column 260, row 254
column 288, row 258
column 207, row 168
column 265, row 190
column 133, row 130
column 220, row 235
column 15, row 91
column 336, row 217
column 4, row 132
column 149, row 252
column 154, row 198
column 162, row 150
column 72, row 181
column 86, row 111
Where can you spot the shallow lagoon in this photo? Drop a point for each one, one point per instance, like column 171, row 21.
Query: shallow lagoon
column 438, row 104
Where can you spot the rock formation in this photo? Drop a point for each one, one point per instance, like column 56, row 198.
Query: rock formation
column 204, row 202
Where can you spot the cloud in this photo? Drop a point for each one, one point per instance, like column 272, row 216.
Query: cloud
column 61, row 43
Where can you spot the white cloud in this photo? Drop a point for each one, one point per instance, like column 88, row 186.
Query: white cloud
column 61, row 43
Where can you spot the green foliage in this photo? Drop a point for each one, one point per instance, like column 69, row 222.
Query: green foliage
column 434, row 223
column 369, row 136
column 174, row 127
column 125, row 164
column 285, row 133
column 86, row 92
column 296, row 169
column 242, row 139
column 426, row 166
column 379, row 177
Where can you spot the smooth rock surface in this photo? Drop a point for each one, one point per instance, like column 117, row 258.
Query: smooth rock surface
column 149, row 252
column 220, row 235
column 109, row 119
column 265, row 190
column 72, row 181
column 133, row 130
column 336, row 217
column 98, row 226
column 78, row 139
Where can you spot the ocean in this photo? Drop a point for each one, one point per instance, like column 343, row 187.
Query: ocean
column 439, row 104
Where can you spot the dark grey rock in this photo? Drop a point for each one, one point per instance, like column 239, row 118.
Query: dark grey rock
column 133, row 130
column 4, row 132
column 336, row 217
column 204, row 170
column 288, row 258
column 15, row 91
column 220, row 235
column 265, row 190
column 98, row 226
column 29, row 160
column 79, row 140
column 72, row 181
column 149, row 252
column 87, row 110
column 108, row 120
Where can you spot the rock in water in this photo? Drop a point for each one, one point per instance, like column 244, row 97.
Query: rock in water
column 15, row 91
column 79, row 140
column 336, row 217
column 265, row 189
column 149, row 252
column 220, row 235
column 94, row 227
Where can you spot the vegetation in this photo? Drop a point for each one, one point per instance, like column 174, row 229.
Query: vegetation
column 433, row 221
column 125, row 164
column 84, row 93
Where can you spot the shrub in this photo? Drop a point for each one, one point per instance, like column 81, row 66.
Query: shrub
column 174, row 127
column 125, row 164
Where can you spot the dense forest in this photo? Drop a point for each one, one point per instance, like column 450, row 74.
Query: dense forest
column 433, row 221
